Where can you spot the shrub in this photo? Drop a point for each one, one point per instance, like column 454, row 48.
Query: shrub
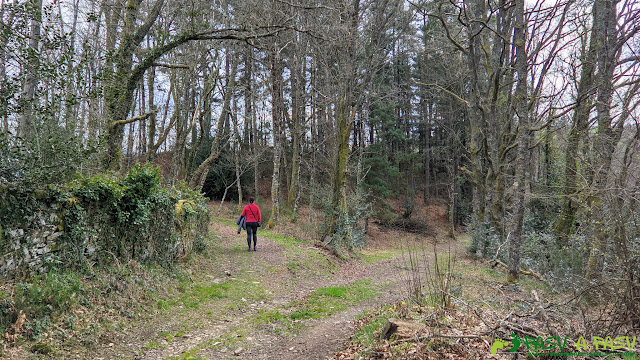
column 484, row 240
column 48, row 294
column 348, row 231
column 41, row 298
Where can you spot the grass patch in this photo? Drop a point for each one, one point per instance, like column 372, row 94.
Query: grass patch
column 280, row 239
column 153, row 345
column 194, row 295
column 270, row 316
column 372, row 257
column 44, row 299
column 224, row 221
column 292, row 267
column 369, row 333
column 321, row 303
column 329, row 300
column 234, row 336
column 166, row 336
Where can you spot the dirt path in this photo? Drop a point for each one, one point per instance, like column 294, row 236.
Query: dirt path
column 314, row 338
column 280, row 277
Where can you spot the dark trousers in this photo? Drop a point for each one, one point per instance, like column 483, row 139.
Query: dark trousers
column 252, row 229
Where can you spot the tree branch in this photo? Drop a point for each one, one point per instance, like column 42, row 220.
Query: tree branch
column 460, row 99
column 220, row 34
column 172, row 66
column 133, row 119
column 151, row 19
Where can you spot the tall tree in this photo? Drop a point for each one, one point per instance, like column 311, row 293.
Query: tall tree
column 277, row 119
column 521, row 103
column 32, row 71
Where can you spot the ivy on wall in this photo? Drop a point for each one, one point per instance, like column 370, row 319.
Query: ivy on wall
column 100, row 219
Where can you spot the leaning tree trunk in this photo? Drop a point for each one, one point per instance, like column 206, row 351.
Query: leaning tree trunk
column 200, row 175
column 565, row 224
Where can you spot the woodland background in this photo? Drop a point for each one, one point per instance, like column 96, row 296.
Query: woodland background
column 521, row 117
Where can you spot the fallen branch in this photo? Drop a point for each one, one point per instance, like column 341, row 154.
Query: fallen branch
column 426, row 338
column 497, row 262
column 495, row 257
column 531, row 332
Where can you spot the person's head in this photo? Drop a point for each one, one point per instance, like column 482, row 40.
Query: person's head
column 251, row 200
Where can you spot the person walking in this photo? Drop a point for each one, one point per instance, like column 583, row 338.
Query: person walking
column 253, row 217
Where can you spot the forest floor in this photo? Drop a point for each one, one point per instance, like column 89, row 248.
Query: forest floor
column 289, row 300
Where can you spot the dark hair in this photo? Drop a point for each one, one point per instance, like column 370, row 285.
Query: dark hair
column 251, row 199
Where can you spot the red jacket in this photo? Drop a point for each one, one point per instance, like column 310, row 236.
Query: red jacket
column 252, row 212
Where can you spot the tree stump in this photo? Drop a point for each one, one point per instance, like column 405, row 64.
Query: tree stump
column 402, row 329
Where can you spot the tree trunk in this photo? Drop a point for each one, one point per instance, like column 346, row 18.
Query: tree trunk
column 521, row 103
column 151, row 136
column 200, row 175
column 605, row 18
column 477, row 140
column 344, row 115
column 277, row 115
column 297, row 101
column 32, row 74
column 565, row 224
column 426, row 118
column 344, row 118
column 250, row 117
column 237, row 150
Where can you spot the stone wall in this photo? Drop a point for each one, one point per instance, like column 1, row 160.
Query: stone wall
column 43, row 240
column 31, row 247
column 98, row 221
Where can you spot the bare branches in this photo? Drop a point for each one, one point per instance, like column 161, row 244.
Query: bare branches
column 448, row 92
column 303, row 7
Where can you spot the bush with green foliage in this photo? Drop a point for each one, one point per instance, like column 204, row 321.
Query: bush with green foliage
column 561, row 265
column 484, row 240
column 134, row 217
column 348, row 231
column 105, row 218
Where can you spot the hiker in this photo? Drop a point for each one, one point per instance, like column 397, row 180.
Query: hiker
column 253, row 217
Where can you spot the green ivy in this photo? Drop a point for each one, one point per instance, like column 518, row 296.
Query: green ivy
column 106, row 218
